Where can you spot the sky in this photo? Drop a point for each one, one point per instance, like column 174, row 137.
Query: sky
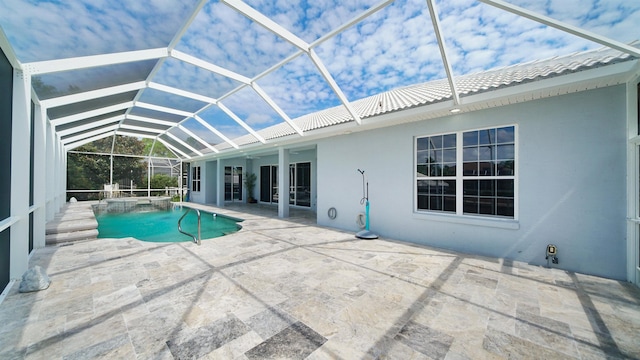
column 393, row 47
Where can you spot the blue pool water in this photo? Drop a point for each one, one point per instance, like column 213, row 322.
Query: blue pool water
column 162, row 226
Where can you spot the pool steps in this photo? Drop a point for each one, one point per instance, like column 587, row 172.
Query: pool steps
column 75, row 222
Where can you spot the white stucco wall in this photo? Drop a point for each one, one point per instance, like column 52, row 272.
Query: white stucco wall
column 210, row 182
column 571, row 165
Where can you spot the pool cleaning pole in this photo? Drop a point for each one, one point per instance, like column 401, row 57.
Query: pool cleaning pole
column 365, row 234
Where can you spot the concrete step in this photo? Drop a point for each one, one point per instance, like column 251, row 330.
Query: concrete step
column 75, row 222
column 57, row 227
column 52, row 239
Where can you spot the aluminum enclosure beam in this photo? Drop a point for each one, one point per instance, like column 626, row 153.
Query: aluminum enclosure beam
column 215, row 131
column 94, row 94
column 198, row 139
column 83, row 62
column 435, row 20
column 574, row 30
column 92, row 113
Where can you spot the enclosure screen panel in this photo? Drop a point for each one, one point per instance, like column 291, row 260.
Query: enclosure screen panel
column 6, row 104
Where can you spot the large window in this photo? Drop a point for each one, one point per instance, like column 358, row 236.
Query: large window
column 436, row 172
column 470, row 172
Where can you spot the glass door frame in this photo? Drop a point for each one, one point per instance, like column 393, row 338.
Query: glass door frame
column 233, row 184
column 295, row 188
column 271, row 186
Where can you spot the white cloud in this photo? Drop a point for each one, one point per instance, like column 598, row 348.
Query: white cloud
column 47, row 30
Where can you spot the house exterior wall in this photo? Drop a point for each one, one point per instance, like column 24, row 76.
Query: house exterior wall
column 198, row 196
column 570, row 183
column 210, row 182
column 209, row 174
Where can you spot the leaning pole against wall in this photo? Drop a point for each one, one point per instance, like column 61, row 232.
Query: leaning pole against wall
column 366, row 233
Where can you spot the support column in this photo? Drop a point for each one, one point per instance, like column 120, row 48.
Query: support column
column 60, row 170
column 283, row 183
column 20, row 155
column 633, row 185
column 39, row 183
column 149, row 176
column 63, row 169
column 220, row 183
column 50, row 170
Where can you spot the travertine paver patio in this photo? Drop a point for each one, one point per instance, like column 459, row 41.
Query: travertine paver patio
column 288, row 289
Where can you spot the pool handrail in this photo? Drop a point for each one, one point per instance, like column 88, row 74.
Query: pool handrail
column 195, row 240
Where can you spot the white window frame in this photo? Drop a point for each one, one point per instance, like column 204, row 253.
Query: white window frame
column 459, row 216
column 196, row 176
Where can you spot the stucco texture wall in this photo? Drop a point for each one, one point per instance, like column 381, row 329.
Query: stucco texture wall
column 571, row 169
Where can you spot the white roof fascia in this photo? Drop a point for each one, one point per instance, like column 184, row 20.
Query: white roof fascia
column 83, row 62
column 183, row 143
column 163, row 109
column 173, row 148
column 584, row 80
column 443, row 51
column 140, row 128
column 267, row 23
column 92, row 113
column 209, row 66
column 187, row 94
column 86, row 141
column 585, row 34
column 150, row 120
column 242, row 123
column 197, row 138
column 90, row 134
column 94, row 124
column 215, row 131
column 94, row 94
column 277, row 108
column 635, row 73
column 332, row 83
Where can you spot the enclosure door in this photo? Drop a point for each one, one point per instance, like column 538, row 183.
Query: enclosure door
column 300, row 184
column 269, row 184
column 233, row 183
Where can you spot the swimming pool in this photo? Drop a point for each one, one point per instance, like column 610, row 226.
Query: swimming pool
column 162, row 226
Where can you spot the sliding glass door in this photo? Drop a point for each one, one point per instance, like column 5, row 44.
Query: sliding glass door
column 269, row 184
column 232, row 183
column 300, row 183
